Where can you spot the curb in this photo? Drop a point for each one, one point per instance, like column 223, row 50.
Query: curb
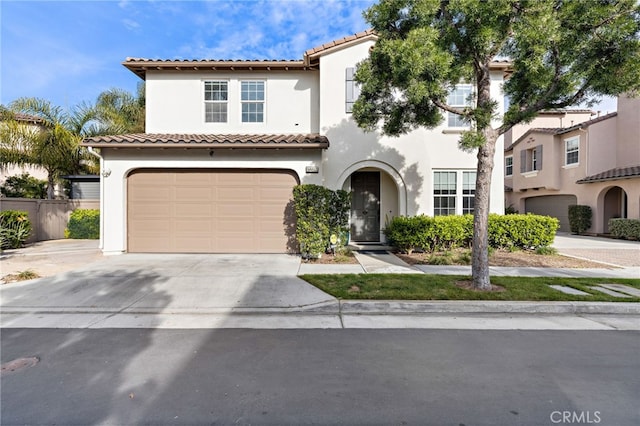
column 366, row 307
column 391, row 307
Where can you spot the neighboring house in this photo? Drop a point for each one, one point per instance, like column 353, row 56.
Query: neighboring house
column 594, row 163
column 12, row 170
column 226, row 142
column 84, row 187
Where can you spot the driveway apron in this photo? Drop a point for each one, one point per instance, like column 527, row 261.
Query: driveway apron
column 167, row 283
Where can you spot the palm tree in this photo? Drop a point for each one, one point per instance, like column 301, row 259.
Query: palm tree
column 53, row 143
column 121, row 112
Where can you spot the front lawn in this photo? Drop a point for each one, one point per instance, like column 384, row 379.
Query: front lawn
column 447, row 287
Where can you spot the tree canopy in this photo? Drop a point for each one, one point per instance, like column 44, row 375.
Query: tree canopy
column 560, row 53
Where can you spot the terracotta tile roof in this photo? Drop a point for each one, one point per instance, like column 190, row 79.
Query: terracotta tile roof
column 357, row 36
column 613, row 174
column 18, row 116
column 148, row 140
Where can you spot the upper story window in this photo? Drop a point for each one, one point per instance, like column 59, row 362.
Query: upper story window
column 508, row 166
column 459, row 97
column 216, row 96
column 352, row 89
column 572, row 150
column 252, row 100
column 531, row 159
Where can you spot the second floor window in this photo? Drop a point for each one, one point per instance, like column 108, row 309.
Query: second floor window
column 252, row 100
column 352, row 89
column 216, row 94
column 508, row 166
column 460, row 97
column 531, row 159
column 572, row 150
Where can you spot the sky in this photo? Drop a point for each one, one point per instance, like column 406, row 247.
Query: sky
column 68, row 52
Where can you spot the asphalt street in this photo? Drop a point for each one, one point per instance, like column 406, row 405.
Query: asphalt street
column 350, row 377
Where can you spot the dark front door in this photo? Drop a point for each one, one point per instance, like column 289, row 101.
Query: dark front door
column 365, row 206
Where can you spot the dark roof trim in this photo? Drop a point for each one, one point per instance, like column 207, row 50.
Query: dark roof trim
column 140, row 66
column 613, row 174
column 87, row 178
column 145, row 140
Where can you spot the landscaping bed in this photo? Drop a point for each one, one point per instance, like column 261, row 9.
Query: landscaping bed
column 518, row 258
column 447, row 287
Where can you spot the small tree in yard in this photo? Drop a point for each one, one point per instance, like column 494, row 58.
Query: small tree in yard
column 562, row 53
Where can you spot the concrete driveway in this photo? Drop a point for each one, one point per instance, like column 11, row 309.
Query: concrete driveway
column 605, row 250
column 136, row 284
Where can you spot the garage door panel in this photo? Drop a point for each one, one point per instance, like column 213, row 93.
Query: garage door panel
column 209, row 211
column 552, row 205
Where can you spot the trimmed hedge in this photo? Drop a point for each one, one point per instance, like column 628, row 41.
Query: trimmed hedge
column 84, row 224
column 525, row 231
column 579, row 218
column 15, row 228
column 625, row 228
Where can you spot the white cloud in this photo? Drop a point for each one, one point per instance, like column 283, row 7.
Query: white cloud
column 130, row 24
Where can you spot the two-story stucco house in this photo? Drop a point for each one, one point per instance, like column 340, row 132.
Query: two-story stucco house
column 594, row 162
column 226, row 141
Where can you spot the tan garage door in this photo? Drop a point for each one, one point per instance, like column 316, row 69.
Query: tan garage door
column 210, row 211
column 552, row 205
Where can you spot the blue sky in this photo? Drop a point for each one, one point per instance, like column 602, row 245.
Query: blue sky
column 70, row 51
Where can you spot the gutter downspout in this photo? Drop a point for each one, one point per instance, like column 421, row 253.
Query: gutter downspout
column 93, row 152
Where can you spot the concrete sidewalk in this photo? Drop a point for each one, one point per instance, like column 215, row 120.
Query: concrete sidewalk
column 263, row 291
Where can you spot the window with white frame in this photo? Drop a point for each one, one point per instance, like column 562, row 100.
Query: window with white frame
column 352, row 89
column 508, row 166
column 444, row 193
column 531, row 159
column 468, row 192
column 572, row 150
column 459, row 97
column 216, row 96
column 252, row 100
column 454, row 192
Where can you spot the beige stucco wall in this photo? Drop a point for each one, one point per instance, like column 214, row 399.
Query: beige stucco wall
column 628, row 146
column 547, row 120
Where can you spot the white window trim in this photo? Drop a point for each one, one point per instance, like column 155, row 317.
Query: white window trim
column 531, row 173
column 505, row 165
column 458, row 129
column 459, row 196
column 264, row 103
column 204, row 101
column 566, row 143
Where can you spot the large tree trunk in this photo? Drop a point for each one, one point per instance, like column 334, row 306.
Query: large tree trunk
column 480, row 253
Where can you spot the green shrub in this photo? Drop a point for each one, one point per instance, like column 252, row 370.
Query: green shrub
column 546, row 250
column 579, row 218
column 320, row 213
column 24, row 186
column 515, row 231
column 523, row 231
column 625, row 228
column 84, row 224
column 15, row 228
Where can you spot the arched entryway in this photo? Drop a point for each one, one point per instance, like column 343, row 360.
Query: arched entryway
column 615, row 205
column 378, row 194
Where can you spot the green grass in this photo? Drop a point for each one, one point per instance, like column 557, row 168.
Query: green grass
column 442, row 287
